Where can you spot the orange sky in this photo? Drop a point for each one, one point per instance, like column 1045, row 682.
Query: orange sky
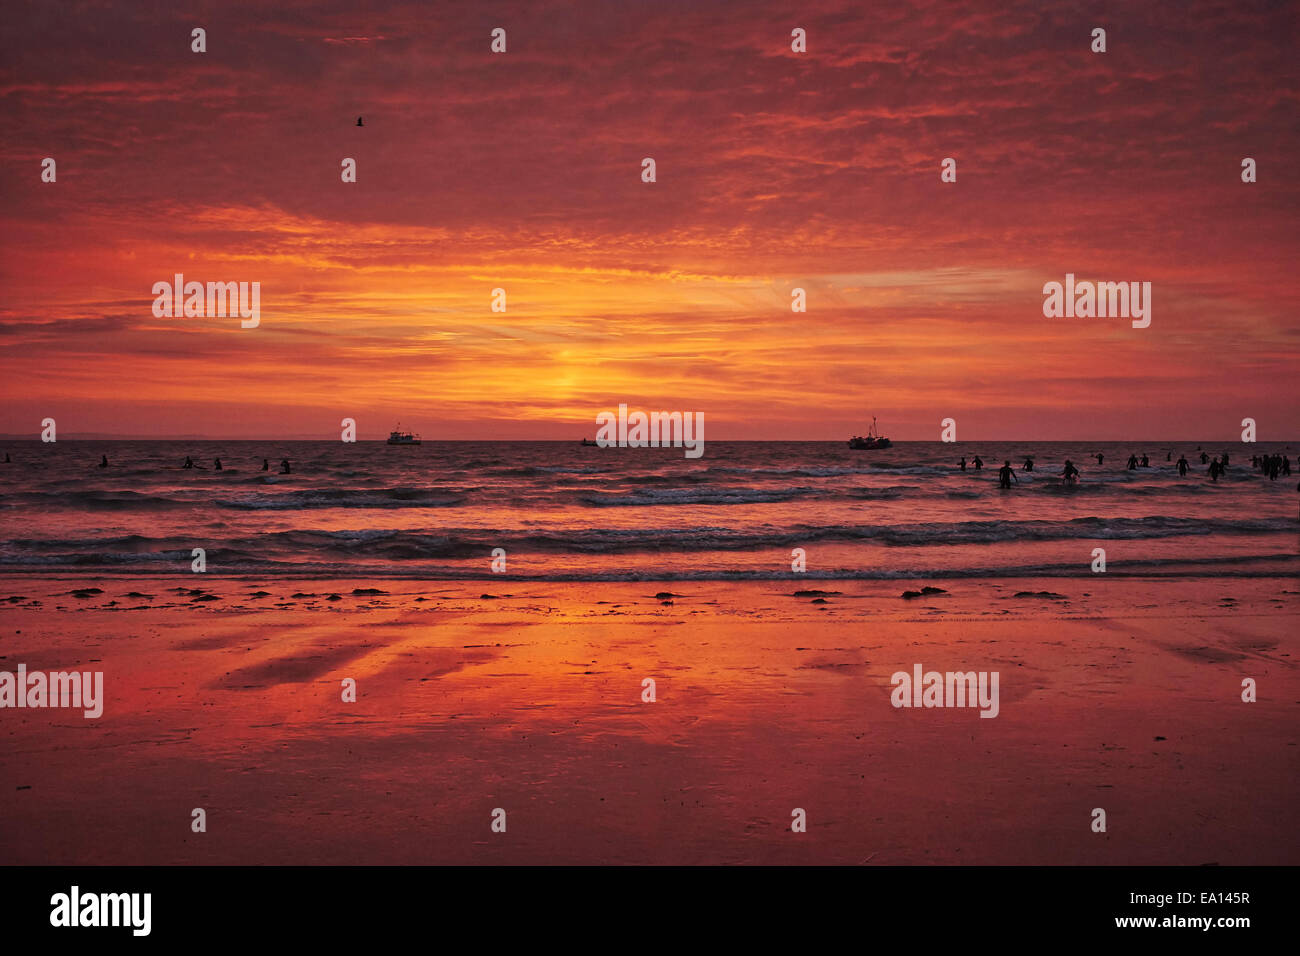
column 775, row 170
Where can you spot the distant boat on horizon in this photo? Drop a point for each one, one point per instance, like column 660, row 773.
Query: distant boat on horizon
column 399, row 437
column 872, row 440
column 590, row 443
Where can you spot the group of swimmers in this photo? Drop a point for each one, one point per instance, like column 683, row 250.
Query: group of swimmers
column 1134, row 463
column 1007, row 474
column 216, row 464
column 1271, row 465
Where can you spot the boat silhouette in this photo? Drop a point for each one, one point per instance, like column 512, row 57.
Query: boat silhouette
column 399, row 437
column 871, row 440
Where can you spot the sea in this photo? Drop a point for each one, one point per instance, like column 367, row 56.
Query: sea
column 562, row 511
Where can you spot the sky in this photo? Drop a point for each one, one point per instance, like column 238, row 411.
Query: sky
column 775, row 170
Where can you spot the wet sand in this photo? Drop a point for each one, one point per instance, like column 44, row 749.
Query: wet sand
column 1119, row 694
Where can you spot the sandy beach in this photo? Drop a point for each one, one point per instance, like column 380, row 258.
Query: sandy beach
column 225, row 694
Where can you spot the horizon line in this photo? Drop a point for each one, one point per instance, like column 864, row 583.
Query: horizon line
column 563, row 441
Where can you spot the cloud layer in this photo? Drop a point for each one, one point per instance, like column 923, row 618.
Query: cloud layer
column 775, row 170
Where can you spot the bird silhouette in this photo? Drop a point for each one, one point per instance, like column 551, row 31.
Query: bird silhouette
column 359, row 123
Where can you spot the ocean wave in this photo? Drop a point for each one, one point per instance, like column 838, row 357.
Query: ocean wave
column 1282, row 566
column 96, row 500
column 541, row 471
column 456, row 543
column 801, row 471
column 346, row 498
column 714, row 495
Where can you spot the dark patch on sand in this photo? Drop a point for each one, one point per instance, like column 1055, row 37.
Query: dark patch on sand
column 291, row 669
column 1211, row 655
column 822, row 664
column 210, row 643
column 924, row 592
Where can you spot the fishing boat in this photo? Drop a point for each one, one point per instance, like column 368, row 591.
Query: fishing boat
column 873, row 439
column 399, row 437
column 589, row 443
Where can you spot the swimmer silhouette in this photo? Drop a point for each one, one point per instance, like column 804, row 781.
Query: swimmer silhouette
column 103, row 461
column 1146, row 462
column 1204, row 458
column 216, row 464
column 1182, row 466
column 266, row 465
column 978, row 464
column 963, row 464
column 1029, row 466
column 284, row 467
column 1100, row 456
column 1069, row 472
column 1132, row 462
column 1005, row 474
column 6, row 458
column 359, row 123
column 189, row 462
